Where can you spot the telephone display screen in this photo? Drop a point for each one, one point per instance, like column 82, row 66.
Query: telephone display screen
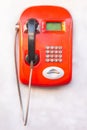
column 54, row 26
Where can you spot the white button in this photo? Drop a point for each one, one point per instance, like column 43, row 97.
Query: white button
column 56, row 47
column 51, row 56
column 47, row 47
column 51, row 60
column 47, row 51
column 51, row 52
column 47, row 60
column 53, row 72
column 60, row 47
column 56, row 60
column 60, row 56
column 51, row 47
column 60, row 60
column 60, row 52
column 47, row 56
column 56, row 52
column 56, row 56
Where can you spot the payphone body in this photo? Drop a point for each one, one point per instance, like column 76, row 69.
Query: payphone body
column 53, row 45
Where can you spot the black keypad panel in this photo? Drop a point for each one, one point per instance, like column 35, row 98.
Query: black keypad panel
column 53, row 53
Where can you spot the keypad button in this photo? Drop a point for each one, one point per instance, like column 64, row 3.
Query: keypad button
column 56, row 56
column 47, row 51
column 47, row 47
column 60, row 60
column 51, row 56
column 60, row 56
column 51, row 60
column 60, row 52
column 51, row 47
column 60, row 47
column 51, row 52
column 56, row 52
column 47, row 56
column 56, row 60
column 56, row 47
column 47, row 60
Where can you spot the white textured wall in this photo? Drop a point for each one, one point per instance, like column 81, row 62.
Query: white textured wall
column 61, row 108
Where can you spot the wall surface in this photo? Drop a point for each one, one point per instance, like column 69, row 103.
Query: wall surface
column 61, row 108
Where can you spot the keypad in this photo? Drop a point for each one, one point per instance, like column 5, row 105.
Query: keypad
column 54, row 53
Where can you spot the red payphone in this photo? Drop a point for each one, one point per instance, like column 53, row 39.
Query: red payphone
column 45, row 46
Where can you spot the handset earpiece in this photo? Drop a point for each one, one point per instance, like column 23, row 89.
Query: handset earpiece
column 32, row 25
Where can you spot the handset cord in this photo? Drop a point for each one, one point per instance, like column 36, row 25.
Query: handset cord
column 18, row 83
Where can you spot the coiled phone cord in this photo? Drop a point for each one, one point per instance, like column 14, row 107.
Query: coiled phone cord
column 18, row 83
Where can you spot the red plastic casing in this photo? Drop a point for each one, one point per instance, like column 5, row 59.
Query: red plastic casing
column 44, row 14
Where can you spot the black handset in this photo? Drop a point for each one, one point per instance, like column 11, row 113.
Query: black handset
column 32, row 25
